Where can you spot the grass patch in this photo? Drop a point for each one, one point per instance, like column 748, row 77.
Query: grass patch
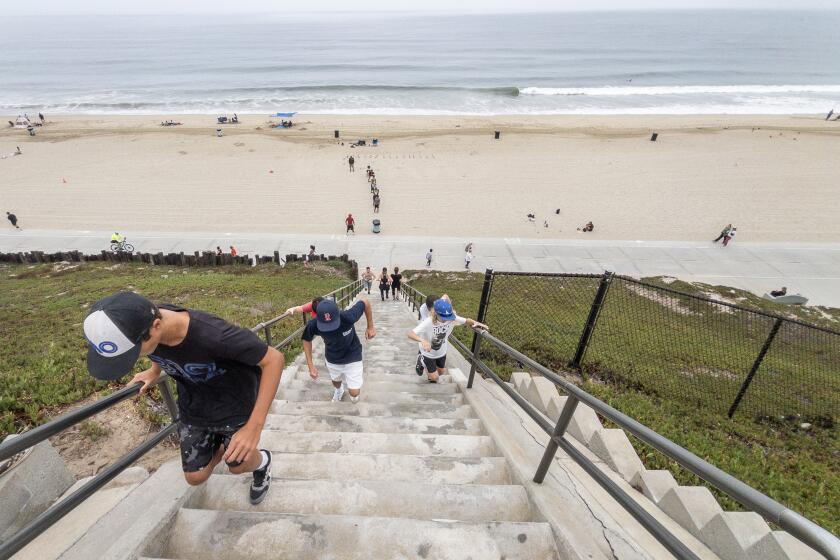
column 43, row 349
column 666, row 364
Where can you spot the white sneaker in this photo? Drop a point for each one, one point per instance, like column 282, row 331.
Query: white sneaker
column 338, row 394
column 354, row 400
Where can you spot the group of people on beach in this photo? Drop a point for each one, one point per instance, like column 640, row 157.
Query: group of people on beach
column 227, row 377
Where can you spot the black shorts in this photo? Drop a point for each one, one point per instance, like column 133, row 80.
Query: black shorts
column 198, row 445
column 434, row 364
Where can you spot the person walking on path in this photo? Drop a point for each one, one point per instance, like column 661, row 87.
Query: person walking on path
column 384, row 284
column 432, row 335
column 396, row 281
column 729, row 235
column 468, row 257
column 310, row 256
column 342, row 348
column 429, row 259
column 227, row 379
column 723, row 233
column 376, row 201
column 367, row 279
column 12, row 219
column 350, row 223
column 352, row 162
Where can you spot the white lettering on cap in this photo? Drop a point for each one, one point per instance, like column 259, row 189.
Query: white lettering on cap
column 104, row 335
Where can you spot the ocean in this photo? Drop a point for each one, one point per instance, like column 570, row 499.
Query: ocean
column 663, row 62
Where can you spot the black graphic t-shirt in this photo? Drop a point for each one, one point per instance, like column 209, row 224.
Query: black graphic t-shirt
column 396, row 280
column 216, row 370
column 341, row 346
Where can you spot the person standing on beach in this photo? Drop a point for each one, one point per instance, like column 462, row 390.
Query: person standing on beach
column 384, row 284
column 342, row 348
column 350, row 223
column 432, row 335
column 429, row 259
column 352, row 162
column 227, row 379
column 367, row 278
column 396, row 281
column 724, row 232
column 13, row 219
column 468, row 257
column 376, row 201
column 729, row 235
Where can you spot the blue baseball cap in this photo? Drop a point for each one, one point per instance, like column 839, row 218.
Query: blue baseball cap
column 443, row 309
column 328, row 316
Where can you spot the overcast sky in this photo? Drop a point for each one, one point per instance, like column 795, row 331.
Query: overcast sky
column 43, row 7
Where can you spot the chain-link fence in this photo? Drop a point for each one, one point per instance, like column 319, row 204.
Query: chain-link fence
column 713, row 354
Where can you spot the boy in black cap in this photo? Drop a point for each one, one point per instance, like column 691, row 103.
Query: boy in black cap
column 227, row 378
column 342, row 348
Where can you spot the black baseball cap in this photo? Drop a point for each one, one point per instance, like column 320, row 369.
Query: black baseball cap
column 114, row 329
column 329, row 316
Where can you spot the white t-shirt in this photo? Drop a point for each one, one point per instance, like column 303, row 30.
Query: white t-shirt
column 437, row 335
column 424, row 312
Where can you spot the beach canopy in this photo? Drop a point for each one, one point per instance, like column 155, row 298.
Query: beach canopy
column 289, row 115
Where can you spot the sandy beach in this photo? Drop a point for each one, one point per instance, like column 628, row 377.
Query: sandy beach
column 774, row 177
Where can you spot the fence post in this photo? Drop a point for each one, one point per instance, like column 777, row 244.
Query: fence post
column 166, row 393
column 756, row 364
column 559, row 430
column 482, row 305
column 594, row 311
column 476, row 356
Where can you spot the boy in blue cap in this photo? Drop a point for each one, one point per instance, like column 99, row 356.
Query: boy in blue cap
column 432, row 334
column 342, row 348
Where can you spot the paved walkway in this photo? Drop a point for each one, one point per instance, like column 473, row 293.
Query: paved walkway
column 810, row 268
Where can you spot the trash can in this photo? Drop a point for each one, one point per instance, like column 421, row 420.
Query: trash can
column 336, row 134
column 376, row 224
column 498, row 134
column 219, row 132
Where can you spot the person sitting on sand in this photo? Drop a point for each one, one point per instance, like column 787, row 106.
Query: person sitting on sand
column 17, row 151
column 531, row 217
column 778, row 293
column 587, row 228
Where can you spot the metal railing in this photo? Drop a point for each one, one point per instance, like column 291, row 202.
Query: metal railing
column 20, row 443
column 800, row 527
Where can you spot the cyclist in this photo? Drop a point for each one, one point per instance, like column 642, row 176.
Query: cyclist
column 117, row 238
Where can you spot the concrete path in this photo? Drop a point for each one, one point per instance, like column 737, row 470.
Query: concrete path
column 812, row 269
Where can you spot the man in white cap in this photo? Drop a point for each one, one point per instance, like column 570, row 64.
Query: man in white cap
column 227, row 378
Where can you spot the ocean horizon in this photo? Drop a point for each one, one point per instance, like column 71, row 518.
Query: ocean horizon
column 576, row 63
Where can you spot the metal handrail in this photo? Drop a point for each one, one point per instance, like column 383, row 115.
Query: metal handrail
column 15, row 445
column 797, row 525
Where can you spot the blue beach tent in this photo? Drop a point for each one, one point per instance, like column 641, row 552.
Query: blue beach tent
column 284, row 115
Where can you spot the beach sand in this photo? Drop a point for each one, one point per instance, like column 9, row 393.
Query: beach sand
column 774, row 177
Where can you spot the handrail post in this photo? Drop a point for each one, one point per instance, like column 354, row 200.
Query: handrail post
column 166, row 393
column 559, row 430
column 486, row 289
column 756, row 364
column 594, row 311
column 475, row 357
column 267, row 331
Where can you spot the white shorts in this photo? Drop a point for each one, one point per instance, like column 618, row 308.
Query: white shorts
column 351, row 374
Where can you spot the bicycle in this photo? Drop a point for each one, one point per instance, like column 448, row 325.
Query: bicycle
column 122, row 247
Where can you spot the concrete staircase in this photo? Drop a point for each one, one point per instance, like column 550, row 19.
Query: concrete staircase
column 730, row 535
column 408, row 472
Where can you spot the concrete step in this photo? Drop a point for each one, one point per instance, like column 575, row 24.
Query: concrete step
column 397, row 386
column 417, row 500
column 367, row 466
column 387, row 425
column 213, row 535
column 395, row 444
column 325, row 394
column 368, row 409
column 389, row 372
